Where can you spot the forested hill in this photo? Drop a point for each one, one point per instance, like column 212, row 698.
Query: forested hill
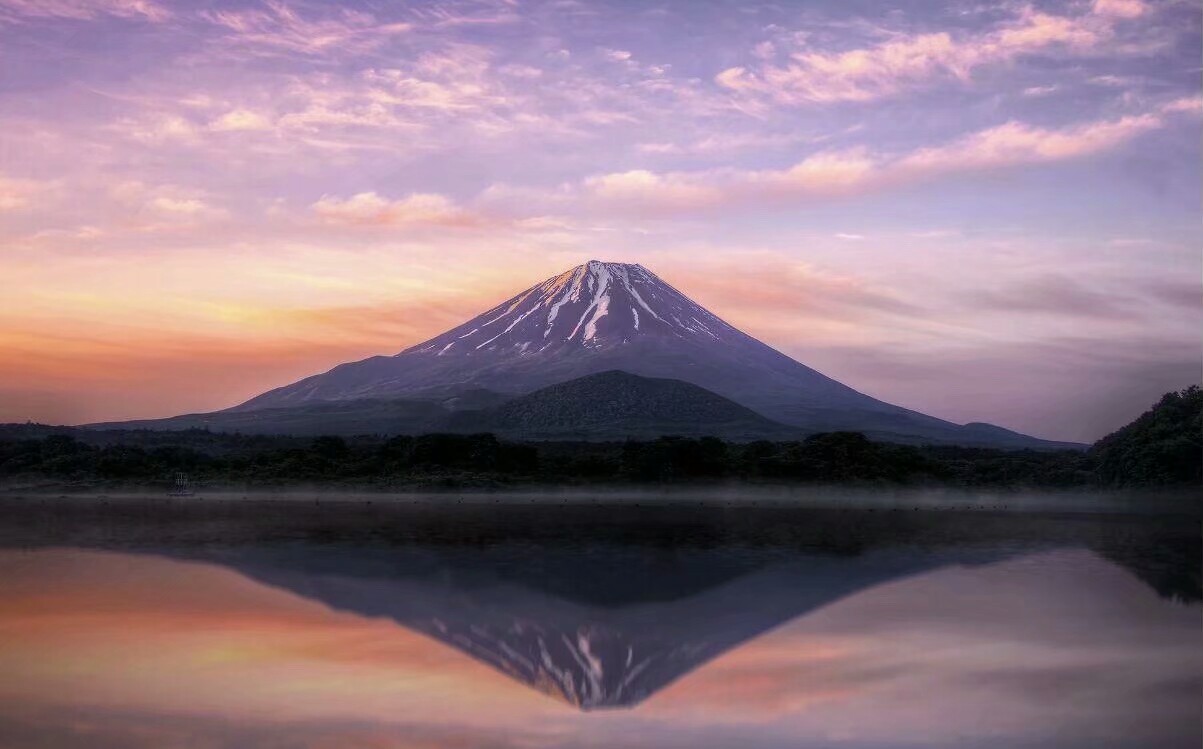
column 1161, row 448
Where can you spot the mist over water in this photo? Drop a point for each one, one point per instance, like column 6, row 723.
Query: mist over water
column 632, row 620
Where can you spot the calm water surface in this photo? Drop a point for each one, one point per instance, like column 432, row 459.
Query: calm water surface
column 343, row 624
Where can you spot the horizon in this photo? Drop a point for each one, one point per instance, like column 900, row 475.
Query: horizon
column 985, row 214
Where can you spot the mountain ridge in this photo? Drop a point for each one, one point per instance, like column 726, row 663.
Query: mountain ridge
column 620, row 405
column 602, row 406
column 594, row 318
column 603, row 316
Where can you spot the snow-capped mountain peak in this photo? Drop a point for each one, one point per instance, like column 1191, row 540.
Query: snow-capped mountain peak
column 601, row 317
column 596, row 304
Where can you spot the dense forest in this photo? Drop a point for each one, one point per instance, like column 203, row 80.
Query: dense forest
column 1161, row 448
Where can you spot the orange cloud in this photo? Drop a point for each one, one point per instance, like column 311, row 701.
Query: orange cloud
column 417, row 209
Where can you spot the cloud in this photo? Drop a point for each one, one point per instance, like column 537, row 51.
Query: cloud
column 150, row 208
column 673, row 191
column 370, row 209
column 907, row 61
column 1040, row 90
column 528, row 72
column 1016, row 143
column 449, row 15
column 241, row 119
column 420, row 104
column 187, row 207
column 83, row 10
column 1120, row 8
column 279, row 29
column 20, row 194
column 1053, row 294
column 157, row 128
column 1114, row 81
column 849, row 171
column 1186, row 105
column 545, row 223
column 726, row 142
column 1185, row 294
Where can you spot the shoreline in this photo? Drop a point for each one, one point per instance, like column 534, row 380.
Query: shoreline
column 933, row 499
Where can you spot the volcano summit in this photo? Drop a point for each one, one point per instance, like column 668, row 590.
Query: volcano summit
column 600, row 317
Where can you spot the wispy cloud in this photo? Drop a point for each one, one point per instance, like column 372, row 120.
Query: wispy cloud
column 281, row 28
column 1039, row 90
column 857, row 169
column 1187, row 105
column 1016, row 143
column 909, row 60
column 724, row 143
column 1053, row 294
column 145, row 10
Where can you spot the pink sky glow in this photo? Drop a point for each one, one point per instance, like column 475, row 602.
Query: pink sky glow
column 986, row 213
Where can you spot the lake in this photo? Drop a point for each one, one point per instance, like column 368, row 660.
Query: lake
column 716, row 620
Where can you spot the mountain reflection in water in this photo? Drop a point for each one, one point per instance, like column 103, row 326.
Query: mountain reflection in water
column 289, row 625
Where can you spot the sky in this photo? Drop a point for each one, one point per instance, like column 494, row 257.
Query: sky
column 982, row 211
column 104, row 649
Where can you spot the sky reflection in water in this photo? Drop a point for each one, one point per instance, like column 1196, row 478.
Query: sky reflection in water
column 985, row 647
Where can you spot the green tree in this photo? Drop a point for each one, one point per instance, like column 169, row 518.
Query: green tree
column 1163, row 447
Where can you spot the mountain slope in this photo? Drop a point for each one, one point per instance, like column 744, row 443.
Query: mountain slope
column 615, row 405
column 612, row 316
column 608, row 405
column 590, row 655
column 365, row 416
column 1160, row 448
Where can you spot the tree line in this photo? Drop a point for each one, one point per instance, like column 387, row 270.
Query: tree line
column 1161, row 448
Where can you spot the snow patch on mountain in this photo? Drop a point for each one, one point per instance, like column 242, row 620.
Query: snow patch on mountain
column 594, row 305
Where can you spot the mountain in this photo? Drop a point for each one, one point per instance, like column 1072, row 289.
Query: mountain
column 352, row 417
column 604, row 406
column 603, row 604
column 616, row 405
column 1160, row 448
column 612, row 626
column 611, row 316
column 590, row 655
